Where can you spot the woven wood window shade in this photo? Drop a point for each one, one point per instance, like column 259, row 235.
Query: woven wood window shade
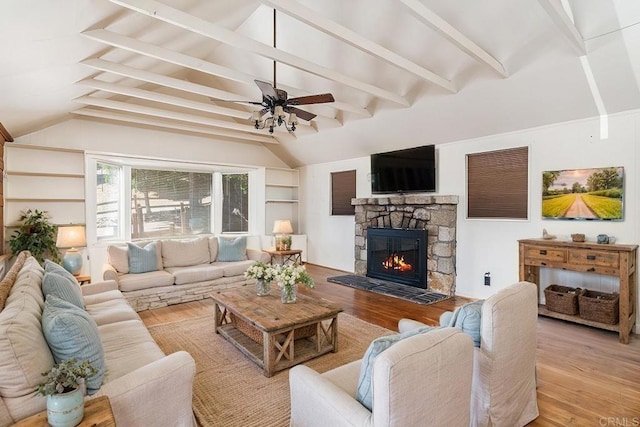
column 497, row 184
column 343, row 189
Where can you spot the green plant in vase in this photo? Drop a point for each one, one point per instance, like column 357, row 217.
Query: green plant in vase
column 65, row 390
column 36, row 235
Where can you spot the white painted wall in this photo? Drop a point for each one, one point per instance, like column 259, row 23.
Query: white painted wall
column 491, row 245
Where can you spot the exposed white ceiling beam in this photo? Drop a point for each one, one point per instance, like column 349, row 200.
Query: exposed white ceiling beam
column 123, row 42
column 163, row 98
column 162, row 80
column 113, row 115
column 462, row 42
column 173, row 115
column 327, row 26
column 172, row 100
column 181, row 19
column 562, row 20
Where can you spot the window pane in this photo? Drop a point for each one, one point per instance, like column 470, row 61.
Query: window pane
column 235, row 203
column 169, row 203
column 108, row 200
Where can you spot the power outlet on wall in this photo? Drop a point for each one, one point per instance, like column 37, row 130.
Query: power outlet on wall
column 487, row 279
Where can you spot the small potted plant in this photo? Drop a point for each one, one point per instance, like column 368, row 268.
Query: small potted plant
column 65, row 390
column 288, row 277
column 36, row 235
column 264, row 274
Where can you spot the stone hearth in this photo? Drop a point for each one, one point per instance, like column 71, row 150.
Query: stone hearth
column 436, row 214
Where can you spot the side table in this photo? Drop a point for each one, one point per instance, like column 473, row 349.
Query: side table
column 83, row 279
column 294, row 256
column 97, row 413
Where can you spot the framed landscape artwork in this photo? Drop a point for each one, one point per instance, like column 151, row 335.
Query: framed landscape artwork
column 584, row 194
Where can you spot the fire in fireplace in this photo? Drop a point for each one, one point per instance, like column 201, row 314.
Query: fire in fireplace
column 397, row 255
column 395, row 262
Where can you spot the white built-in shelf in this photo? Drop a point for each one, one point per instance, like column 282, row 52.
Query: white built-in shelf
column 12, row 199
column 47, row 175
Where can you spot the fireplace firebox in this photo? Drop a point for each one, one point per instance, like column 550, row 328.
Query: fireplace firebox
column 398, row 255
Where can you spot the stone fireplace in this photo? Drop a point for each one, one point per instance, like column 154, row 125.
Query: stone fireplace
column 435, row 214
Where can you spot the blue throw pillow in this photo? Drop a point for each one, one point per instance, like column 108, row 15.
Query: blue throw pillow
column 468, row 318
column 71, row 332
column 232, row 249
column 62, row 287
column 142, row 260
column 52, row 267
column 364, row 393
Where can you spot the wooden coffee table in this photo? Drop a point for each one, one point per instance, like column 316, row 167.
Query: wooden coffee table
column 274, row 335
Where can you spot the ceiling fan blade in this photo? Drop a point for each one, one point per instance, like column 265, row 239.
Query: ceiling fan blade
column 236, row 101
column 267, row 90
column 304, row 115
column 311, row 99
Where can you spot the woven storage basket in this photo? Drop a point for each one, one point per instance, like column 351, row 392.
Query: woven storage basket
column 256, row 335
column 599, row 307
column 562, row 299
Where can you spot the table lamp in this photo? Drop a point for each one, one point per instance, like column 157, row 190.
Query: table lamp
column 282, row 227
column 70, row 237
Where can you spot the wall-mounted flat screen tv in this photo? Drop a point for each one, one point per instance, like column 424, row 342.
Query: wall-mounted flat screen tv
column 404, row 171
column 587, row 194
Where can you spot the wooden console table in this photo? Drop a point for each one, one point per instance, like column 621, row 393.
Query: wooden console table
column 587, row 257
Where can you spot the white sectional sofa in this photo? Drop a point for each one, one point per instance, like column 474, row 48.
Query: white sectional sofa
column 184, row 270
column 145, row 387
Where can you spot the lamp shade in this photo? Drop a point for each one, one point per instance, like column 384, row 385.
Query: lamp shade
column 71, row 236
column 282, row 226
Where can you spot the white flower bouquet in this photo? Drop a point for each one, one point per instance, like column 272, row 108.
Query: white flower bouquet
column 261, row 271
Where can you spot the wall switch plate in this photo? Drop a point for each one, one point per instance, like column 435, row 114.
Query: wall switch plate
column 487, row 279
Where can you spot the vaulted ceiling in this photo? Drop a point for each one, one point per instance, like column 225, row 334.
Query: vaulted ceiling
column 403, row 72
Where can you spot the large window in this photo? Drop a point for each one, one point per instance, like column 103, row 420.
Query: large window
column 169, row 203
column 134, row 202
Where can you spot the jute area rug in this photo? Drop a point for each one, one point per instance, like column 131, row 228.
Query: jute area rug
column 230, row 390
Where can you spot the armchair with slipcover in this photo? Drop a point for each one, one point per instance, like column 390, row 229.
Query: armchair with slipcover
column 422, row 380
column 504, row 371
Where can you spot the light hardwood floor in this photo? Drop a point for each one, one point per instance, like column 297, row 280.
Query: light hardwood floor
column 585, row 376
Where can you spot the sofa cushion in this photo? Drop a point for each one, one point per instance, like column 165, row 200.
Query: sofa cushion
column 119, row 258
column 111, row 311
column 24, row 353
column 153, row 279
column 71, row 332
column 128, row 346
column 62, row 287
column 142, row 260
column 182, row 253
column 364, row 392
column 232, row 249
column 196, row 273
column 213, row 248
column 99, row 297
column 234, row 268
column 468, row 318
